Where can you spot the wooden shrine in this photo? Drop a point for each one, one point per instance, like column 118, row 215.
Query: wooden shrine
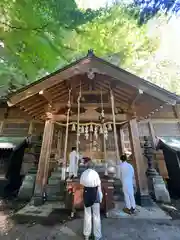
column 101, row 109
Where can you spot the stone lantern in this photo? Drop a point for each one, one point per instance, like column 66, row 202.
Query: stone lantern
column 157, row 187
column 149, row 153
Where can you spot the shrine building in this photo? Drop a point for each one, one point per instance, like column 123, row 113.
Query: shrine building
column 101, row 109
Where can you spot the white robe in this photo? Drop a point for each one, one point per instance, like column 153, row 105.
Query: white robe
column 127, row 178
column 90, row 178
column 73, row 163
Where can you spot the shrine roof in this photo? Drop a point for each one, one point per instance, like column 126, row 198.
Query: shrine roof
column 127, row 86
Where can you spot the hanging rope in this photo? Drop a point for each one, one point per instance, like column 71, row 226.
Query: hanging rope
column 66, row 137
column 78, row 116
column 104, row 138
column 89, row 123
column 114, row 126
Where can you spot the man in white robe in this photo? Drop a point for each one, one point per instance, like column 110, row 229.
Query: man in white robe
column 127, row 178
column 92, row 198
column 73, row 163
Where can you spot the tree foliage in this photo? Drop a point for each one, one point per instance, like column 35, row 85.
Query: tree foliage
column 37, row 37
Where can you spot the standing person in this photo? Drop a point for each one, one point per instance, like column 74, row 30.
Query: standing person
column 127, row 178
column 73, row 163
column 92, row 197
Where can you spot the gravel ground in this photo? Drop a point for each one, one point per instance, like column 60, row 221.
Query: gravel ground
column 122, row 229
column 58, row 227
column 172, row 209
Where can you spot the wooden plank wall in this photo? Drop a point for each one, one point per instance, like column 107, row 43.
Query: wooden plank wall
column 16, row 123
column 165, row 124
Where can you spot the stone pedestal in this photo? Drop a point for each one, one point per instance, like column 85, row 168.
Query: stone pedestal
column 27, row 188
column 37, row 199
column 144, row 200
column 161, row 193
column 55, row 187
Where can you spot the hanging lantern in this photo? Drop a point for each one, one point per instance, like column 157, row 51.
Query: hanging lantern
column 109, row 127
column 86, row 136
column 102, row 113
column 106, row 136
column 73, row 128
column 91, row 128
column 82, row 129
column 101, row 130
column 96, row 132
column 86, row 132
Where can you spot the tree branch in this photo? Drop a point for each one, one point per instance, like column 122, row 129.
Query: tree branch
column 24, row 28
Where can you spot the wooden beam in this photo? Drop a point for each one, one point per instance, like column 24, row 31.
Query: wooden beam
column 133, row 81
column 160, row 120
column 43, row 165
column 135, row 98
column 32, row 100
column 139, row 161
column 85, row 117
column 118, row 97
column 33, row 105
column 57, row 87
column 51, row 80
column 87, row 105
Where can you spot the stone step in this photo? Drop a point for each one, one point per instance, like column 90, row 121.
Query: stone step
column 54, row 181
column 51, row 191
column 118, row 197
column 55, row 198
column 56, row 175
column 27, row 188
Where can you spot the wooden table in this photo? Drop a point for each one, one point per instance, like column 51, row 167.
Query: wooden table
column 74, row 196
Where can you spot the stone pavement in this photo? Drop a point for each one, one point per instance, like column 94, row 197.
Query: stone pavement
column 113, row 229
column 154, row 212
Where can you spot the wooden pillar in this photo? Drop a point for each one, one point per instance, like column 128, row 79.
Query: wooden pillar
column 140, row 169
column 152, row 133
column 43, row 166
column 59, row 143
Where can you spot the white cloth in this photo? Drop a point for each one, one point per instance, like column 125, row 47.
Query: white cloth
column 89, row 213
column 90, row 178
column 73, row 163
column 127, row 178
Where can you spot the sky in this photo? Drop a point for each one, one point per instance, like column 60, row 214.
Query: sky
column 94, row 4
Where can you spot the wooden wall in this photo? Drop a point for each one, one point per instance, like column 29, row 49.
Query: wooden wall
column 15, row 122
column 165, row 123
